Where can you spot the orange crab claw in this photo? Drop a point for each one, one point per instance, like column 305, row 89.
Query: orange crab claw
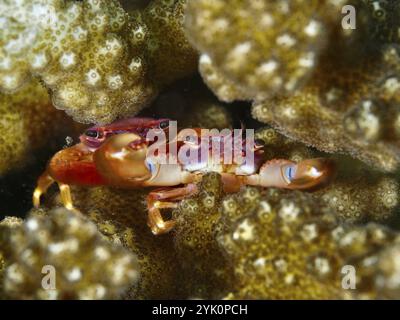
column 309, row 174
column 122, row 162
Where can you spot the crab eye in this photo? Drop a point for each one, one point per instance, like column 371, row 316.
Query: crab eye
column 91, row 133
column 94, row 134
column 164, row 124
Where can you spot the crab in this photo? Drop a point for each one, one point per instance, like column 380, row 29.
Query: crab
column 75, row 166
column 127, row 158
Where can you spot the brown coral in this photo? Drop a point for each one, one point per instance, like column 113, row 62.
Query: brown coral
column 99, row 62
column 276, row 54
column 384, row 16
column 121, row 216
column 350, row 105
column 289, row 246
column 205, row 273
column 90, row 267
column 9, row 222
column 315, row 81
column 360, row 194
column 356, row 194
column 168, row 52
column 28, row 124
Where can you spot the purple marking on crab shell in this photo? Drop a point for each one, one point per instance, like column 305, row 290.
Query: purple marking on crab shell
column 139, row 126
column 92, row 143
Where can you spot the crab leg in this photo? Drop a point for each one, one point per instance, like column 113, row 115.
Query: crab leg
column 156, row 222
column 65, row 193
column 43, row 183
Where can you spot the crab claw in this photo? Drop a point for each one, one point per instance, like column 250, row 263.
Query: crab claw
column 309, row 174
column 121, row 160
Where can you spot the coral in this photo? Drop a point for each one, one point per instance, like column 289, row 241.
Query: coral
column 272, row 244
column 384, row 17
column 360, row 194
column 349, row 106
column 9, row 222
column 168, row 52
column 78, row 49
column 223, row 87
column 205, row 272
column 90, row 267
column 258, row 243
column 318, row 83
column 287, row 245
column 387, row 274
column 121, row 216
column 277, row 145
column 356, row 194
column 271, row 239
column 28, row 124
column 276, row 54
column 92, row 55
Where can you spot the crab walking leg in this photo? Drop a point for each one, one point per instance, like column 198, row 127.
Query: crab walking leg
column 65, row 193
column 156, row 222
column 43, row 183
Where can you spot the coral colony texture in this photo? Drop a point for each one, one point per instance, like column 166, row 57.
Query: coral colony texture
column 313, row 78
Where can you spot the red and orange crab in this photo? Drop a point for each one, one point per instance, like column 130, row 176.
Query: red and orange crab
column 118, row 155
